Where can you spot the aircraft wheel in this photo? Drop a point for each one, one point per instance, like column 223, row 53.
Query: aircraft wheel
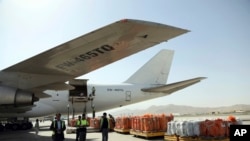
column 15, row 126
column 1, row 127
column 24, row 126
column 30, row 125
column 8, row 126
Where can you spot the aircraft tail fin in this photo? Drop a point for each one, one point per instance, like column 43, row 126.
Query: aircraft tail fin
column 155, row 71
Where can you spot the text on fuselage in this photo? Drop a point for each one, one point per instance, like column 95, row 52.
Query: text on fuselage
column 115, row 90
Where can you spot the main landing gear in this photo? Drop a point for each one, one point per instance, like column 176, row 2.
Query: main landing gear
column 16, row 124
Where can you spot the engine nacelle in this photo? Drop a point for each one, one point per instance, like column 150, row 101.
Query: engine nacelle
column 15, row 97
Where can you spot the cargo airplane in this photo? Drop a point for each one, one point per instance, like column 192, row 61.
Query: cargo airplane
column 46, row 83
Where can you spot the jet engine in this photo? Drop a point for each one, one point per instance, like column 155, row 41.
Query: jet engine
column 16, row 97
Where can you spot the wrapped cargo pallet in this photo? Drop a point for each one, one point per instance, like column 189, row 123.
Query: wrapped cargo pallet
column 118, row 123
column 95, row 123
column 156, row 123
column 212, row 128
column 126, row 123
column 171, row 130
column 72, row 122
column 163, row 122
column 194, row 128
column 150, row 125
column 150, row 122
column 133, row 123
column 136, row 123
column 183, row 128
column 123, row 122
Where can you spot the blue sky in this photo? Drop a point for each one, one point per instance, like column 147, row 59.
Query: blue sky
column 217, row 46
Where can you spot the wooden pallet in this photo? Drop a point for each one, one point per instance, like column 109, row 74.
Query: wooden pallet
column 177, row 138
column 170, row 138
column 146, row 134
column 122, row 130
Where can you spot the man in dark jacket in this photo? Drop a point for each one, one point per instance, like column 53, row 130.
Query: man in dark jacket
column 104, row 125
column 58, row 126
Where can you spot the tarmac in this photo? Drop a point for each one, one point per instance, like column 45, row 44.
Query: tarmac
column 45, row 135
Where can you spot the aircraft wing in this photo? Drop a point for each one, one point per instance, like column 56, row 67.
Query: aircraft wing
column 50, row 69
column 173, row 87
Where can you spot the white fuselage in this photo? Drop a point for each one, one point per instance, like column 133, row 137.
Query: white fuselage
column 147, row 83
column 106, row 97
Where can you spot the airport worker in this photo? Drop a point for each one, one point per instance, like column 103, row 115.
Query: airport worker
column 93, row 91
column 104, row 125
column 112, row 119
column 81, row 125
column 58, row 126
column 78, row 122
column 37, row 126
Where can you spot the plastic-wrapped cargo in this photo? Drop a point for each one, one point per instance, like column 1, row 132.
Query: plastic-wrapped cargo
column 184, row 128
column 181, row 128
column 187, row 128
column 171, row 128
column 150, row 123
column 95, row 123
column 212, row 128
column 190, row 128
column 196, row 128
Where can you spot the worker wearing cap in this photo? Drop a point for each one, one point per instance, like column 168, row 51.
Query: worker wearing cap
column 58, row 127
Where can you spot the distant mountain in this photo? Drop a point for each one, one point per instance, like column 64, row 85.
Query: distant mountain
column 181, row 109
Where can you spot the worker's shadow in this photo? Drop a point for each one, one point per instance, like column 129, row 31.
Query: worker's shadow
column 92, row 139
column 89, row 139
